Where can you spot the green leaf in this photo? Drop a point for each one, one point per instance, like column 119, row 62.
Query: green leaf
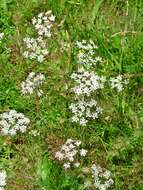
column 95, row 10
column 3, row 4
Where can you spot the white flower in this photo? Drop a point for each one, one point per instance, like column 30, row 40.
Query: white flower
column 12, row 132
column 3, row 176
column 118, row 82
column 69, row 141
column 44, row 51
column 66, row 165
column 82, row 111
column 70, row 158
column 11, row 122
column 40, row 58
column 36, row 48
column 77, row 164
column 43, row 23
column 102, row 177
column 87, row 82
column 83, row 121
column 69, row 152
column 1, row 36
column 52, row 18
column 33, row 84
column 83, row 152
column 87, row 53
column 40, row 93
column 107, row 174
column 59, row 155
column 78, row 143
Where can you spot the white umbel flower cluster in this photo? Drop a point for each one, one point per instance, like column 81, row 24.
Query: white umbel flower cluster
column 87, row 82
column 32, row 84
column 102, row 177
column 87, row 53
column 36, row 49
column 83, row 111
column 118, row 83
column 3, row 177
column 1, row 36
column 69, row 152
column 85, row 108
column 43, row 23
column 12, row 122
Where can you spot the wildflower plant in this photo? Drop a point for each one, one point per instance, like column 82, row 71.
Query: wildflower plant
column 118, row 83
column 84, row 111
column 70, row 153
column 33, row 84
column 87, row 54
column 36, row 49
column 43, row 23
column 86, row 107
column 102, row 177
column 12, row 122
column 87, row 82
column 99, row 178
column 94, row 90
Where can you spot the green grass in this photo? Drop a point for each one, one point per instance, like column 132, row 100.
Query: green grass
column 115, row 142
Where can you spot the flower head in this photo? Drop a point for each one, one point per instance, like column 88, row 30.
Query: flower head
column 43, row 23
column 12, row 122
column 32, row 84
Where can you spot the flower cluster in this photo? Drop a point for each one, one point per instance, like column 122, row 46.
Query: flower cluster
column 87, row 82
column 34, row 133
column 69, row 152
column 102, row 177
column 87, row 53
column 43, row 23
column 118, row 82
column 12, row 122
column 1, row 36
column 32, row 84
column 36, row 48
column 3, row 176
column 83, row 111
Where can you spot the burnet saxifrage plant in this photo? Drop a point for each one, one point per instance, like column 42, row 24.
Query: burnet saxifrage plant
column 87, row 83
column 86, row 53
column 33, row 84
column 84, row 109
column 37, row 48
column 98, row 178
column 70, row 154
column 12, row 122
